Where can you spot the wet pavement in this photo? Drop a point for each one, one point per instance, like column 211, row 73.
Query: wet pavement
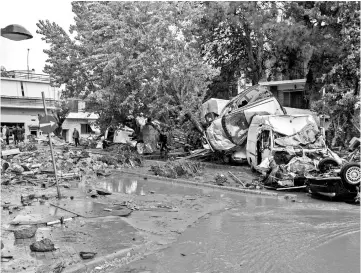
column 214, row 231
column 258, row 234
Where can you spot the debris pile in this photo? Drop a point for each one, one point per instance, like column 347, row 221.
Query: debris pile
column 35, row 166
column 220, row 179
column 176, row 169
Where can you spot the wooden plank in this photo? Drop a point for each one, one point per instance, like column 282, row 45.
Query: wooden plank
column 10, row 152
column 235, row 178
column 291, row 188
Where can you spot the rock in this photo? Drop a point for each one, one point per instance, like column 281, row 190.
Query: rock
column 44, row 245
column 5, row 165
column 291, row 197
column 25, row 232
column 17, row 168
column 87, row 255
column 103, row 192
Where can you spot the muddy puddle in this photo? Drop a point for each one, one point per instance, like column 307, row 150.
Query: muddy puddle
column 120, row 183
column 265, row 235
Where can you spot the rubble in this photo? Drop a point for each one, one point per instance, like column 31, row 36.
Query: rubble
column 44, row 245
column 25, row 232
column 35, row 166
column 176, row 169
column 220, row 179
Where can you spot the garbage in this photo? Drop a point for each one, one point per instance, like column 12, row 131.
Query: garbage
column 25, row 232
column 44, row 245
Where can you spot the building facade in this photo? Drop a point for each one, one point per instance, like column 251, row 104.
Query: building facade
column 80, row 119
column 290, row 93
column 21, row 99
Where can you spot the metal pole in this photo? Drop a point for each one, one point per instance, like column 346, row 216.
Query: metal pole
column 51, row 150
column 28, row 64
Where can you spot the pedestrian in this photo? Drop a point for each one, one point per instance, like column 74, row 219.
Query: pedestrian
column 15, row 134
column 6, row 134
column 22, row 133
column 76, row 137
column 163, row 139
column 19, row 133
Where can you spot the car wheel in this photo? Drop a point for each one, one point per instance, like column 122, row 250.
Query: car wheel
column 327, row 164
column 351, row 173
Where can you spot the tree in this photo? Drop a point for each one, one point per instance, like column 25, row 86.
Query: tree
column 334, row 66
column 237, row 36
column 63, row 109
column 128, row 57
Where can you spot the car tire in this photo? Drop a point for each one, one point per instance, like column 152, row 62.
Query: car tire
column 326, row 164
column 351, row 173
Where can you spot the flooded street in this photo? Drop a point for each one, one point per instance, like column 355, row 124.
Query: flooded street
column 257, row 234
column 182, row 228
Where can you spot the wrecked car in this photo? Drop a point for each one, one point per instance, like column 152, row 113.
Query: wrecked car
column 229, row 132
column 338, row 182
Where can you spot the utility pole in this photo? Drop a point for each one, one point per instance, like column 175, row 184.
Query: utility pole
column 51, row 150
column 28, row 62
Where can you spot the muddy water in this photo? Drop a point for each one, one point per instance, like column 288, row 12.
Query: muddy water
column 265, row 235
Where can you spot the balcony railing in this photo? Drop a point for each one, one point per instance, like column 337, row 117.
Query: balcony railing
column 288, row 74
column 25, row 75
column 26, row 102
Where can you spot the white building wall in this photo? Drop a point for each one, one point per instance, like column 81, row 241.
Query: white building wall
column 32, row 89
column 70, row 124
column 27, row 116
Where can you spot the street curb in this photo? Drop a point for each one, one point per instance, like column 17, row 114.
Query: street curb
column 87, row 267
column 205, row 164
column 181, row 181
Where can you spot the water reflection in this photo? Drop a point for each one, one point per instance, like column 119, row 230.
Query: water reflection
column 132, row 188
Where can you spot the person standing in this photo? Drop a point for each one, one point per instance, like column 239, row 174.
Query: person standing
column 15, row 134
column 76, row 137
column 163, row 139
column 22, row 133
column 19, row 133
column 6, row 134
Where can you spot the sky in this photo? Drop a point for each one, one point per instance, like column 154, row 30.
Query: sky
column 13, row 54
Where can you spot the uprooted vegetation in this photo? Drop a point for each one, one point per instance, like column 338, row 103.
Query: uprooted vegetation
column 177, row 169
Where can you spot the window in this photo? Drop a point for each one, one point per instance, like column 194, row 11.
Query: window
column 286, row 99
column 85, row 129
column 22, row 89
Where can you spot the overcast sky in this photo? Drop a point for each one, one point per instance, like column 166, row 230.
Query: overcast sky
column 13, row 54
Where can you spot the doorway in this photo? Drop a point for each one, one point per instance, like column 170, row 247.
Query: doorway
column 64, row 134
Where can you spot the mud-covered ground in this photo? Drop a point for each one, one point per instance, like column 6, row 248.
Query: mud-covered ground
column 178, row 228
column 161, row 212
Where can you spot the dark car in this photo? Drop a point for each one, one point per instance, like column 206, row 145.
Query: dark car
column 343, row 184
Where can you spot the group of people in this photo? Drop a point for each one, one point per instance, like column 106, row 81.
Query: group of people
column 18, row 132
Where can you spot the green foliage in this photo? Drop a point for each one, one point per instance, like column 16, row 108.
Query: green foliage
column 63, row 110
column 237, row 36
column 128, row 57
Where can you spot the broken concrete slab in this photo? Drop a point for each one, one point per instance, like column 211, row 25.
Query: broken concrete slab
column 10, row 152
column 44, row 245
column 25, row 232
